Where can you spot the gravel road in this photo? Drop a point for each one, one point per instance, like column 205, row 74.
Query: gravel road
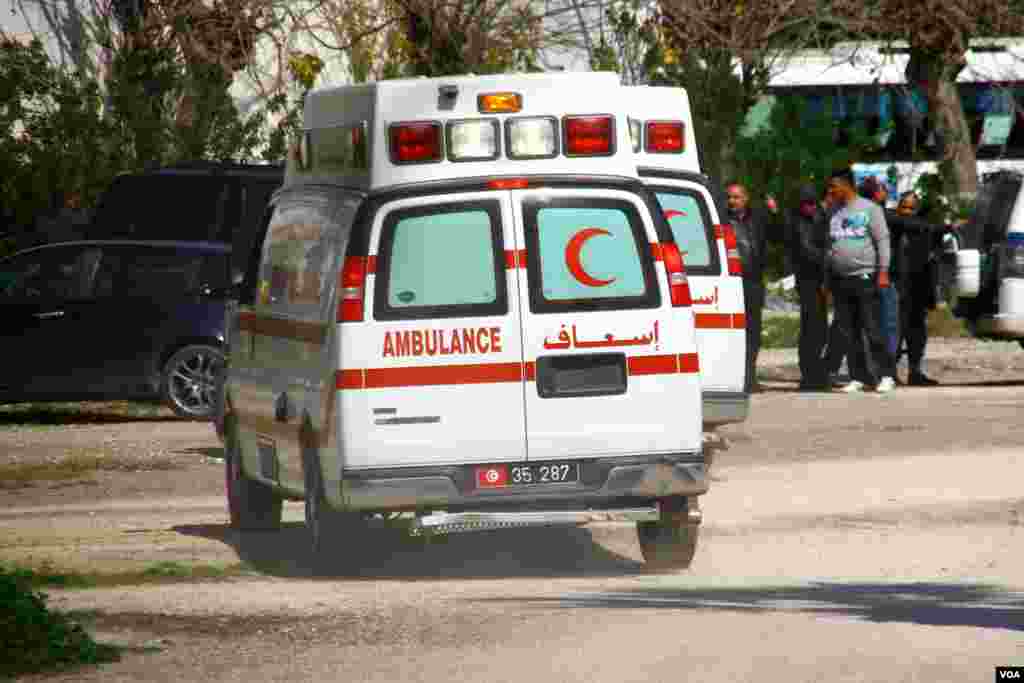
column 847, row 538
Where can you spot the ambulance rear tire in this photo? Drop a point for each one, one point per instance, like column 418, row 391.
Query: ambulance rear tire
column 252, row 505
column 667, row 545
column 326, row 526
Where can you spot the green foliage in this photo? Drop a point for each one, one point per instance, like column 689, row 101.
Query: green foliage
column 794, row 148
column 936, row 205
column 304, row 68
column 33, row 638
column 64, row 137
column 56, row 139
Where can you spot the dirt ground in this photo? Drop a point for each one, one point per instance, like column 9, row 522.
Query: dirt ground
column 852, row 538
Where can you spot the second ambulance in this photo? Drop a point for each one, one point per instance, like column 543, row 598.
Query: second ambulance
column 467, row 305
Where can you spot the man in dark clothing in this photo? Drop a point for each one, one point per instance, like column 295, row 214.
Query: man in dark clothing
column 806, row 242
column 751, row 228
column 914, row 274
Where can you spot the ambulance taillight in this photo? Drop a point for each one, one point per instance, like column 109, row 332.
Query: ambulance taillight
column 732, row 252
column 353, row 289
column 678, row 285
column 589, row 136
column 415, row 142
column 664, row 137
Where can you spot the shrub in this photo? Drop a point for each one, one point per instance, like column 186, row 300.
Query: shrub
column 33, row 638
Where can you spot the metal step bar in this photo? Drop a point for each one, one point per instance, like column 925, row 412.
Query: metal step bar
column 463, row 522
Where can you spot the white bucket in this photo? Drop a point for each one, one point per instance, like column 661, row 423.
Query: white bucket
column 1011, row 297
column 968, row 273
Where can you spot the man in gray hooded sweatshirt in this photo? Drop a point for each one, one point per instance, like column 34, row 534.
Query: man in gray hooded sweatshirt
column 858, row 258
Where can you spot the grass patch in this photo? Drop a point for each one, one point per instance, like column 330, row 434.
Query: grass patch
column 80, row 466
column 35, row 639
column 782, row 330
column 100, row 412
column 46, row 575
column 941, row 323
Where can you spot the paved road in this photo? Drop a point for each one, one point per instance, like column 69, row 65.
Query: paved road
column 865, row 538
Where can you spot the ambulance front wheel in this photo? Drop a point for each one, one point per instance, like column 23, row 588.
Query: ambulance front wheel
column 671, row 542
column 252, row 505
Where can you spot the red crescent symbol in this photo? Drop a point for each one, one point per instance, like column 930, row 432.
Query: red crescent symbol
column 672, row 213
column 572, row 257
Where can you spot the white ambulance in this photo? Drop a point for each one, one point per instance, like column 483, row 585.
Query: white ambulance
column 467, row 307
column 663, row 138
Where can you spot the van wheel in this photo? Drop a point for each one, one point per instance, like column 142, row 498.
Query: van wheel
column 326, row 525
column 252, row 505
column 190, row 381
column 671, row 542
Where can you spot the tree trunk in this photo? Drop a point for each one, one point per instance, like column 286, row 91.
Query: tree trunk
column 936, row 76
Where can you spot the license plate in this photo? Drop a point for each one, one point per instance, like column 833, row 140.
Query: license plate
column 527, row 474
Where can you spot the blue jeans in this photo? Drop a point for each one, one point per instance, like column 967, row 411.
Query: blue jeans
column 889, row 322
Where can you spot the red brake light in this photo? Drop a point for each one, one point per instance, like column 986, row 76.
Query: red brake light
column 678, row 285
column 732, row 252
column 589, row 135
column 665, row 137
column 353, row 287
column 415, row 142
column 508, row 184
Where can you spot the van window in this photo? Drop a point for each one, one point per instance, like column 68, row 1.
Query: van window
column 687, row 215
column 293, row 278
column 442, row 261
column 587, row 254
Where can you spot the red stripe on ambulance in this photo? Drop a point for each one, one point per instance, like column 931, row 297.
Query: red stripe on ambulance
column 494, row 373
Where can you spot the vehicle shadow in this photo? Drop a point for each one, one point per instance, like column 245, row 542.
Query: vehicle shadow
column 390, row 553
column 931, row 604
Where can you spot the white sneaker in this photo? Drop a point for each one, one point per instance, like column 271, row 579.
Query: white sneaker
column 852, row 388
column 886, row 385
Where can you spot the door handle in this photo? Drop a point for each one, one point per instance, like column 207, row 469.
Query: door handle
column 50, row 315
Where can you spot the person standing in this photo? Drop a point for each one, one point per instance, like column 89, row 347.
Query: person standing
column 858, row 259
column 751, row 228
column 805, row 249
column 916, row 280
column 889, row 304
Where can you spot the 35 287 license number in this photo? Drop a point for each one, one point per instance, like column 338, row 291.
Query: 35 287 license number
column 544, row 473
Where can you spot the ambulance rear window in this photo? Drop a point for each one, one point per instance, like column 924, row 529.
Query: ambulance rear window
column 687, row 215
column 441, row 261
column 587, row 254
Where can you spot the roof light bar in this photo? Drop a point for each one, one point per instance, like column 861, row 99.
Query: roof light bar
column 665, row 137
column 589, row 136
column 473, row 140
column 499, row 103
column 533, row 137
column 414, row 142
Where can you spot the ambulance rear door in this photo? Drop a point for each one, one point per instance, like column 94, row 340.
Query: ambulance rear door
column 613, row 361
column 432, row 374
column 717, row 292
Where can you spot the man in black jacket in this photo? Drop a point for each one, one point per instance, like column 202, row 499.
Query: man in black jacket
column 751, row 226
column 806, row 241
column 915, row 277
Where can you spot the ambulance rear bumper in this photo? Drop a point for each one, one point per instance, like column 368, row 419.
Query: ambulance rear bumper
column 603, row 482
column 725, row 407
